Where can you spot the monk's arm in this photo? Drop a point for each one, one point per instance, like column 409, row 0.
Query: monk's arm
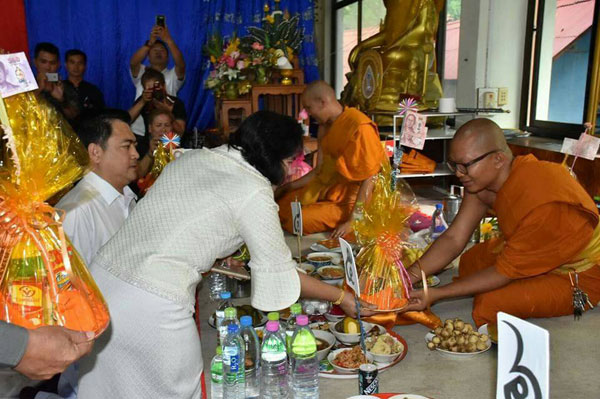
column 484, row 281
column 451, row 243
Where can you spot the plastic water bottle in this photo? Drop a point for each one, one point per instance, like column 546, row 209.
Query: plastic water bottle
column 295, row 311
column 230, row 318
column 216, row 375
column 217, row 283
column 234, row 377
column 220, row 312
column 274, row 316
column 305, row 365
column 274, row 364
column 252, row 348
column 438, row 224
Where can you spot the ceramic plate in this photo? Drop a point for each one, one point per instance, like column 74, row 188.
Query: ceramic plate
column 322, row 248
column 263, row 320
column 432, row 281
column 409, row 396
column 484, row 330
column 457, row 355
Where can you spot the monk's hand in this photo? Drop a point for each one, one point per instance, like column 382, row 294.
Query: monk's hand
column 419, row 302
column 348, row 305
column 342, row 229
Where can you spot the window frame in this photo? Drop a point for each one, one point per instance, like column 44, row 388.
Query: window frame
column 529, row 86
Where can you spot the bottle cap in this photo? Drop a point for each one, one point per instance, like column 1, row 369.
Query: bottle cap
column 225, row 295
column 274, row 316
column 246, row 321
column 296, row 308
column 232, row 328
column 272, row 326
column 302, row 320
column 219, row 350
column 230, row 312
column 439, row 206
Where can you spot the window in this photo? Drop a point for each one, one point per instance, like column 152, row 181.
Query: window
column 357, row 20
column 557, row 66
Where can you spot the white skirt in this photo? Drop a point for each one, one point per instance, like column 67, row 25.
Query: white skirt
column 151, row 348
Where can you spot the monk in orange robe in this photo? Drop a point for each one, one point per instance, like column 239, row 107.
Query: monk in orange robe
column 349, row 154
column 549, row 228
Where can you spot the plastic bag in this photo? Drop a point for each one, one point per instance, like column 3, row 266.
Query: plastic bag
column 162, row 157
column 43, row 281
column 383, row 233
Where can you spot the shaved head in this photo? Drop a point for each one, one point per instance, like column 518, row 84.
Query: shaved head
column 320, row 102
column 482, row 133
column 319, row 90
column 480, row 150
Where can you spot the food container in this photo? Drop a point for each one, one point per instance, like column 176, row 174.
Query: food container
column 332, row 355
column 452, row 203
column 326, row 337
column 348, row 339
column 320, row 259
column 326, row 274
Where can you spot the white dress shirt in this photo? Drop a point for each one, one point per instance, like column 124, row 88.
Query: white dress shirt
column 95, row 210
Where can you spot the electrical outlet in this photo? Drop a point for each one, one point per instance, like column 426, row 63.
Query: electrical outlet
column 487, row 97
column 502, row 96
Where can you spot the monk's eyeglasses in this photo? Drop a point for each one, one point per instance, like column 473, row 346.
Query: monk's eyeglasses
column 463, row 168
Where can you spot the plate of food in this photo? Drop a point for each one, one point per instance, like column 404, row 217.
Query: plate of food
column 330, row 245
column 258, row 317
column 346, row 370
column 457, row 339
column 432, row 281
column 491, row 331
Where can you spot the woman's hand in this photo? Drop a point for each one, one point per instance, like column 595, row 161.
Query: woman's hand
column 419, row 302
column 348, row 305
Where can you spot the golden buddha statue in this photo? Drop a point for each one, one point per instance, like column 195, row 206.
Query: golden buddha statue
column 399, row 60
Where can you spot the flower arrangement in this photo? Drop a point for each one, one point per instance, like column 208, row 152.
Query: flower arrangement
column 228, row 63
column 489, row 229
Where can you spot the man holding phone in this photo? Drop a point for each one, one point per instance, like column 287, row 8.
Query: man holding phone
column 157, row 50
column 46, row 61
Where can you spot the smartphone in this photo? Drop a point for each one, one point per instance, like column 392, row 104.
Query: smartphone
column 160, row 20
column 238, row 272
column 52, row 76
column 157, row 92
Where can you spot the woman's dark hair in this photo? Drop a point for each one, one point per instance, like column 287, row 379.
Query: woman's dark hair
column 265, row 139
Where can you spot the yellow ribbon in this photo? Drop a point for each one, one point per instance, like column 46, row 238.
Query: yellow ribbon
column 588, row 258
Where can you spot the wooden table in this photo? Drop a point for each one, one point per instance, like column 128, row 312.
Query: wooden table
column 224, row 107
column 286, row 98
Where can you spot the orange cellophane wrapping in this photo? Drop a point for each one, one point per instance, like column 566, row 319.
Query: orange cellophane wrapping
column 381, row 264
column 162, row 157
column 43, row 280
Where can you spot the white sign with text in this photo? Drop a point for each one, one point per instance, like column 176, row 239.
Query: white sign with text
column 523, row 359
column 350, row 266
column 297, row 217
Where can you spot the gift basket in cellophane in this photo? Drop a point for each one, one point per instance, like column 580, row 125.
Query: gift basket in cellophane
column 43, row 280
column 162, row 156
column 383, row 232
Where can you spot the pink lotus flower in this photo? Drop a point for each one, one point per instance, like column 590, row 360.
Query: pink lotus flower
column 257, row 46
column 230, row 62
column 240, row 65
column 303, row 114
column 235, row 55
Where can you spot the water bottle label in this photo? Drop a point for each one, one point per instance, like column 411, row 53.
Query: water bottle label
column 234, row 363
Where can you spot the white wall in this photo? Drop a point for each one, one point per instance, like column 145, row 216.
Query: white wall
column 492, row 37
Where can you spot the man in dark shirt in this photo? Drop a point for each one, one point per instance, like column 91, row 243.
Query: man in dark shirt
column 154, row 97
column 89, row 96
column 47, row 61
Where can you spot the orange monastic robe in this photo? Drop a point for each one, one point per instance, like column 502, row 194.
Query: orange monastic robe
column 547, row 219
column 352, row 152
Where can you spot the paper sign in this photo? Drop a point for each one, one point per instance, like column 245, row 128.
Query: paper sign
column 586, row 147
column 297, row 217
column 388, row 147
column 15, row 75
column 350, row 266
column 523, row 359
column 414, row 130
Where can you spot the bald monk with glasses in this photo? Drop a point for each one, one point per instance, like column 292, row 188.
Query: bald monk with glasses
column 549, row 228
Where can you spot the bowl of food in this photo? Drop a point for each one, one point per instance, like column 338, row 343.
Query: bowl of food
column 320, row 259
column 347, row 331
column 348, row 360
column 335, row 314
column 384, row 348
column 325, row 341
column 333, row 275
column 319, row 325
column 307, row 268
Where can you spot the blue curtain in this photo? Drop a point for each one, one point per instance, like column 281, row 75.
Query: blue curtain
column 110, row 31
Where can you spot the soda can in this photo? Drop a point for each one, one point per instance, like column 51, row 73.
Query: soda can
column 368, row 383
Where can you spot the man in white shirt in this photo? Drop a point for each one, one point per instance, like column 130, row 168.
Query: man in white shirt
column 99, row 204
column 157, row 52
